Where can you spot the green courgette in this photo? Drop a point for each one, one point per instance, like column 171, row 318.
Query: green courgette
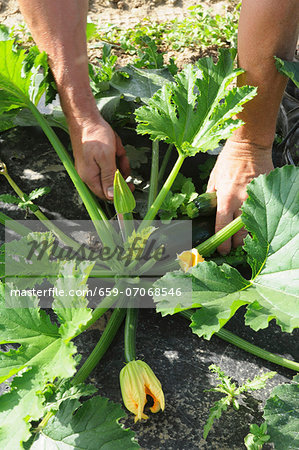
column 202, row 229
column 203, row 205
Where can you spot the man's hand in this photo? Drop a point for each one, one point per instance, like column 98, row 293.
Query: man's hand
column 97, row 151
column 236, row 166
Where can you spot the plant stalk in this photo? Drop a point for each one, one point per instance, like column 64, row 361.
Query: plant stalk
column 102, row 346
column 154, row 208
column 255, row 350
column 126, row 224
column 165, row 162
column 248, row 347
column 207, row 247
column 94, row 210
column 130, row 334
column 154, row 174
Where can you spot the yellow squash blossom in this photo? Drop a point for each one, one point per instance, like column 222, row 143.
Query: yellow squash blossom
column 137, row 380
column 189, row 258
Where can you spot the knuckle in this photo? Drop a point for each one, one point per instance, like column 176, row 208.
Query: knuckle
column 107, row 177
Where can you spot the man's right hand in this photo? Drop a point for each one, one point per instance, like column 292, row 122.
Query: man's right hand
column 97, row 151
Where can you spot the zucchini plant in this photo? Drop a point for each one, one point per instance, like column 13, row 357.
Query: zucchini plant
column 192, row 112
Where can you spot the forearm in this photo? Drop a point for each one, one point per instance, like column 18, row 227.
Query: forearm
column 59, row 28
column 267, row 28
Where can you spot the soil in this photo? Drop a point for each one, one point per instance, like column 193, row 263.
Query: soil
column 124, row 13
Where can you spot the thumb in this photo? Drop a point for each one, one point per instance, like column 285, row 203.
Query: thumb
column 107, row 177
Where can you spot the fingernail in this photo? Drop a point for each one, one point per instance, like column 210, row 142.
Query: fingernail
column 110, row 192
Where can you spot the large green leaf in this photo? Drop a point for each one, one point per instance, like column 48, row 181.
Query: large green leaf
column 282, row 415
column 133, row 83
column 43, row 344
column 28, row 260
column 213, row 289
column 24, row 118
column 196, row 111
column 20, row 82
column 271, row 215
column 289, row 68
column 18, row 407
column 71, row 308
column 7, row 119
column 90, row 426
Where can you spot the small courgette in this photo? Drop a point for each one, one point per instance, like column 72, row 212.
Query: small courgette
column 202, row 229
column 203, row 205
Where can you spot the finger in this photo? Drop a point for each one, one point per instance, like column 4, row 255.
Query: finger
column 93, row 182
column 96, row 187
column 238, row 238
column 211, row 184
column 223, row 217
column 108, row 168
column 122, row 159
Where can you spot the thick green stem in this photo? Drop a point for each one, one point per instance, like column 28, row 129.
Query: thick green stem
column 257, row 351
column 92, row 207
column 250, row 348
column 102, row 346
column 165, row 162
column 154, row 208
column 94, row 210
column 130, row 334
column 210, row 245
column 126, row 224
column 107, row 303
column 154, row 174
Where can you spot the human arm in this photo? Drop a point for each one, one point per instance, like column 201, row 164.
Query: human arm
column 59, row 28
column 267, row 28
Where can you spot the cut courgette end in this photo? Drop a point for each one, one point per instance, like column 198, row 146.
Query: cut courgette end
column 203, row 205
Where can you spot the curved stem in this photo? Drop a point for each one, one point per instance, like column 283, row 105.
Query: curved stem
column 248, row 347
column 209, row 246
column 102, row 346
column 257, row 351
column 130, row 334
column 94, row 210
column 92, row 207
